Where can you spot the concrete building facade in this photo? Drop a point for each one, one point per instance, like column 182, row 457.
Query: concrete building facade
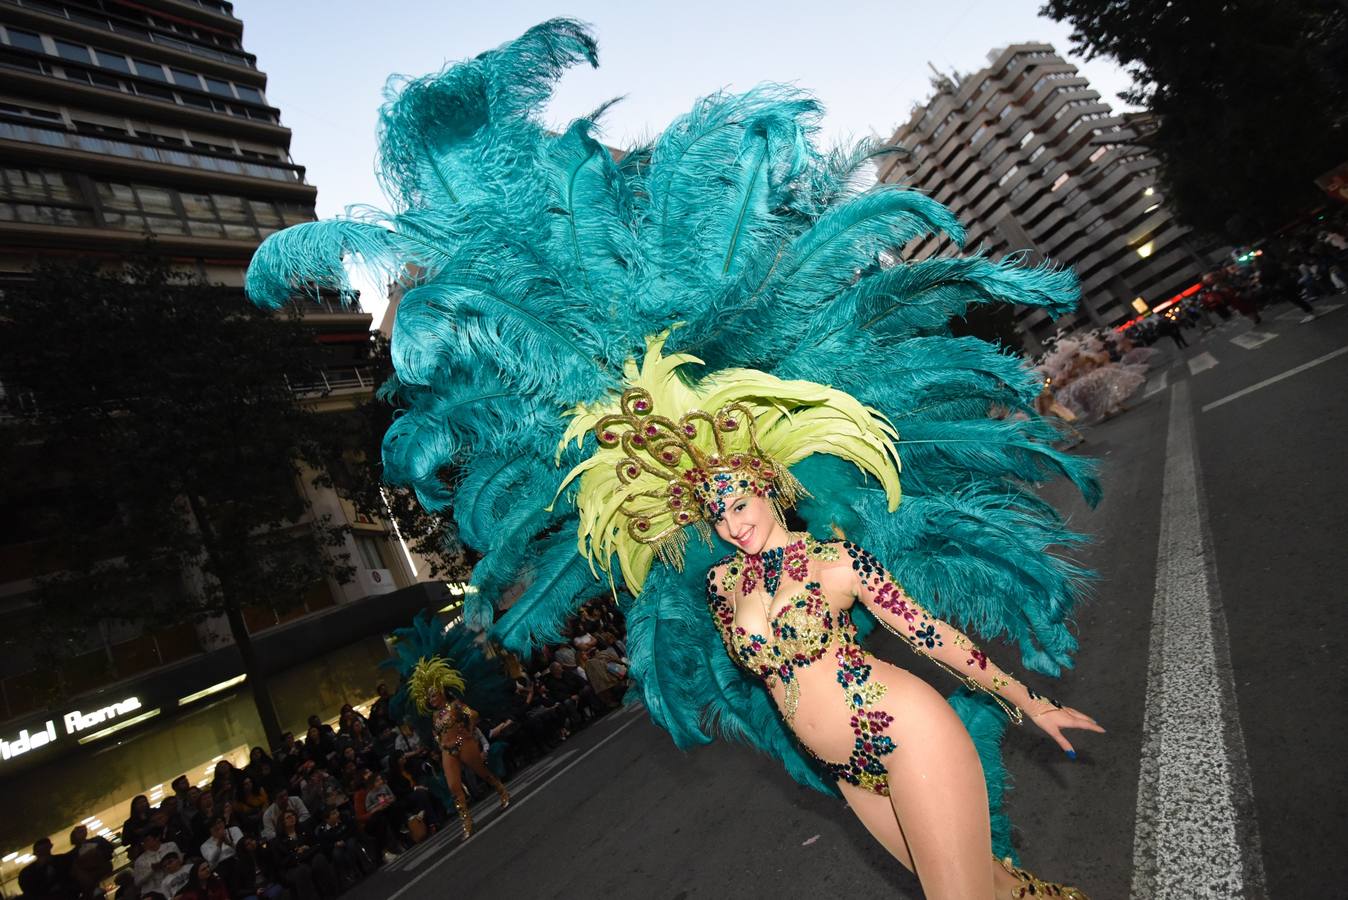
column 122, row 119
column 1030, row 158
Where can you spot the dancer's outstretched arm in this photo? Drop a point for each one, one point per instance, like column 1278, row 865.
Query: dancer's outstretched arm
column 954, row 651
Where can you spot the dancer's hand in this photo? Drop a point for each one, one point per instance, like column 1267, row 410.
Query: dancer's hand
column 1055, row 720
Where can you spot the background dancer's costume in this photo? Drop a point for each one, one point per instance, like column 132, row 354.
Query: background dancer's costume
column 758, row 282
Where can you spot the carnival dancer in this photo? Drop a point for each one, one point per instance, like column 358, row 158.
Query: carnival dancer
column 627, row 362
column 434, row 685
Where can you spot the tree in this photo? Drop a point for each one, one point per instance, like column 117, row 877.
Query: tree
column 1250, row 99
column 352, row 449
column 157, row 421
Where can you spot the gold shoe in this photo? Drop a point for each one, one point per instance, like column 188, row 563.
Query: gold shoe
column 465, row 816
column 1033, row 887
column 501, row 792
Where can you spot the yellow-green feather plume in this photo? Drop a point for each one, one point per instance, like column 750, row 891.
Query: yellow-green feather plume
column 792, row 420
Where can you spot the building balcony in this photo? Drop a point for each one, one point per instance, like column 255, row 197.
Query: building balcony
column 89, row 23
column 129, row 148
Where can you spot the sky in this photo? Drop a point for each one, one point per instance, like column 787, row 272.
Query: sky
column 327, row 61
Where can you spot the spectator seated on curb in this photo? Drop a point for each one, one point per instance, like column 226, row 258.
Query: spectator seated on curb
column 301, row 863
column 149, row 865
column 283, row 803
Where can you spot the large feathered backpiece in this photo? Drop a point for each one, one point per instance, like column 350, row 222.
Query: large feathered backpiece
column 535, row 266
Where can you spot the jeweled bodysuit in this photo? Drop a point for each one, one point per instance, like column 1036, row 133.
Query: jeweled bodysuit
column 805, row 628
column 454, row 717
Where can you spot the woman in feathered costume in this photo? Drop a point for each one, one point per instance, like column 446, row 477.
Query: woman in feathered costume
column 437, row 691
column 784, row 359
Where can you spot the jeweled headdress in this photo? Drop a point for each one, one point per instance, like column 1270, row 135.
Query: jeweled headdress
column 665, row 463
column 432, row 677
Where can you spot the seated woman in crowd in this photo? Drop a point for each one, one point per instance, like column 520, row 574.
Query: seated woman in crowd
column 302, row 864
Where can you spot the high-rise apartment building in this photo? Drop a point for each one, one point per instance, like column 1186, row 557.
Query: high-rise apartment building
column 122, row 119
column 1030, row 158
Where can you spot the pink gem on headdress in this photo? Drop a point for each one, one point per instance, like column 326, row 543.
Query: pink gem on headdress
column 675, row 503
column 755, row 462
column 643, row 525
column 736, row 461
column 641, row 406
column 690, row 430
column 638, row 441
column 652, row 430
column 608, row 437
column 632, row 471
column 676, row 490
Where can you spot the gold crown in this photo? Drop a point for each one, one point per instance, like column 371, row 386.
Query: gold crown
column 696, row 482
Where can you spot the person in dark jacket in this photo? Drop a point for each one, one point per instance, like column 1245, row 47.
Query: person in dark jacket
column 337, row 838
column 301, row 861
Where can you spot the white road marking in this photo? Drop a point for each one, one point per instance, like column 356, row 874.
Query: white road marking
column 1201, row 362
column 485, row 809
column 1252, row 339
column 1275, row 379
column 1161, row 384
column 1187, row 843
column 632, row 720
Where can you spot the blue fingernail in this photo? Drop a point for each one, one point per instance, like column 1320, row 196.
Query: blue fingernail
column 1071, row 754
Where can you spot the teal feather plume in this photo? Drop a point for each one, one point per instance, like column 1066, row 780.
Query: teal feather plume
column 535, row 264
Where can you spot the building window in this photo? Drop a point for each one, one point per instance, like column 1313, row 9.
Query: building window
column 186, row 79
column 151, row 70
column 114, row 61
column 25, row 40
column 1060, row 181
column 73, row 52
column 216, row 86
column 252, row 95
column 371, row 553
column 982, row 129
column 1038, row 152
column 1007, row 176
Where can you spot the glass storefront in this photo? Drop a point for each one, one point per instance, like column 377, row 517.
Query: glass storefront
column 95, row 786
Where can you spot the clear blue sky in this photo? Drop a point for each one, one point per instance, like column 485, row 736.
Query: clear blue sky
column 327, row 60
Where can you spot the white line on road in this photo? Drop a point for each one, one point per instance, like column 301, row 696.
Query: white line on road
column 1252, row 339
column 1161, row 385
column 413, row 858
column 1187, row 842
column 1275, row 379
column 1201, row 362
column 515, row 805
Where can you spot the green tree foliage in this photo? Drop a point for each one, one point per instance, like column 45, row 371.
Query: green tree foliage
column 1250, row 96
column 156, row 442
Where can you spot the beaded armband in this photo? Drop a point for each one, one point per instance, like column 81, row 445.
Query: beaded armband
column 921, row 635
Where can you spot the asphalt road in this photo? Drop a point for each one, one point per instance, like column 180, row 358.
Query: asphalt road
column 618, row 812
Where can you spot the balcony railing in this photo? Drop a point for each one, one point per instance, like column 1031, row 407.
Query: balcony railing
column 142, row 34
column 353, row 378
column 105, row 146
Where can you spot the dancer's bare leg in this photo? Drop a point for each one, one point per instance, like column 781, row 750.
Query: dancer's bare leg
column 471, row 756
column 938, row 793
column 877, row 814
column 454, row 776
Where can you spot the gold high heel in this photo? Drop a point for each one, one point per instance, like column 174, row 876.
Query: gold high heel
column 501, row 791
column 1033, row 887
column 464, row 815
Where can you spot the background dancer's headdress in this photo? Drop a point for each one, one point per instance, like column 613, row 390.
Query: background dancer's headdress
column 432, row 677
column 536, row 265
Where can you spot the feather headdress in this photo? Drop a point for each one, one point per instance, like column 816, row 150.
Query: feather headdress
column 536, row 265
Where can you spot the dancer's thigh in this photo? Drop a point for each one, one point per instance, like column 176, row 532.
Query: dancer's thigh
column 937, row 791
column 877, row 814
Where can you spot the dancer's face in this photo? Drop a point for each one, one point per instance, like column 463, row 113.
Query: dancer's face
column 437, row 700
column 748, row 523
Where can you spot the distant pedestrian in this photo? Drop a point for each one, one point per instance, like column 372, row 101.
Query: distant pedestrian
column 1170, row 327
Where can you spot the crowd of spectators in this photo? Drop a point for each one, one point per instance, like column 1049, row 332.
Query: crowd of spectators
column 1301, row 266
column 319, row 813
